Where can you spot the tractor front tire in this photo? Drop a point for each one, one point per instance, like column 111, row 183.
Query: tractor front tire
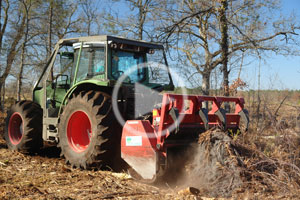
column 23, row 130
column 89, row 135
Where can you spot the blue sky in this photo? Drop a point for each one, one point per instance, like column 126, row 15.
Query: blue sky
column 278, row 72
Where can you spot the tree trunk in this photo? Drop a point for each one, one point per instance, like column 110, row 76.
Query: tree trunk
column 20, row 76
column 224, row 45
column 1, row 105
column 205, row 86
column 3, row 92
column 89, row 27
column 11, row 55
column 0, row 13
column 205, row 82
column 49, row 48
column 2, row 96
column 224, row 48
column 1, row 36
column 216, row 82
column 141, row 20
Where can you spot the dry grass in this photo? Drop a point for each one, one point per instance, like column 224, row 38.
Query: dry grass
column 271, row 167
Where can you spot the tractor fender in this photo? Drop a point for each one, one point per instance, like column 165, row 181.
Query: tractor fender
column 104, row 86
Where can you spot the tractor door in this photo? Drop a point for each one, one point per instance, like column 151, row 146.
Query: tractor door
column 59, row 81
column 59, row 78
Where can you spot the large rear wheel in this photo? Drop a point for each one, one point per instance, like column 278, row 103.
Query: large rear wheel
column 23, row 130
column 89, row 135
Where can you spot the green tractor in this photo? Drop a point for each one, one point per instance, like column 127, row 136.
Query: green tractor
column 72, row 99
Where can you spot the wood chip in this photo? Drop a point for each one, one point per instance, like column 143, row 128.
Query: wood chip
column 189, row 191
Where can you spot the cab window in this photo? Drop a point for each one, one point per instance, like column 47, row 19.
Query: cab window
column 130, row 63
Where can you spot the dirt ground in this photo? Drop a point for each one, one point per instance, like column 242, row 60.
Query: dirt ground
column 46, row 176
column 225, row 168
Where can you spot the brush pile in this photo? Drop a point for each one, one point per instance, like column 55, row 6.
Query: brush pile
column 215, row 166
column 222, row 167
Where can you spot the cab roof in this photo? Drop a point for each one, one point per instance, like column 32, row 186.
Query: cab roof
column 107, row 38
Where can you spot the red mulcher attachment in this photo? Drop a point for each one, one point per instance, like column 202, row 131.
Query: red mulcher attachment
column 178, row 122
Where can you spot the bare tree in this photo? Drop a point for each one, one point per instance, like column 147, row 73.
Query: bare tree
column 210, row 33
column 27, row 7
column 90, row 10
column 224, row 44
column 134, row 24
column 39, row 36
column 14, row 41
column 143, row 7
column 49, row 24
column 45, row 30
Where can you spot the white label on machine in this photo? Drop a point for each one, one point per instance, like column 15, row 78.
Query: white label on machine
column 133, row 140
column 132, row 122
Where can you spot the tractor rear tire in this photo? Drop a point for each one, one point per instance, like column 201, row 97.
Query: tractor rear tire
column 89, row 135
column 23, row 130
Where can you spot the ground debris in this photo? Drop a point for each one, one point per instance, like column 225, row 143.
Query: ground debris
column 221, row 168
column 214, row 166
column 47, row 176
column 189, row 191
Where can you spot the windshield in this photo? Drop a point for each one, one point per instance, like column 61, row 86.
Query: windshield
column 91, row 63
column 129, row 63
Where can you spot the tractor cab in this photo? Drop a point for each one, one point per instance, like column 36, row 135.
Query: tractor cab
column 96, row 63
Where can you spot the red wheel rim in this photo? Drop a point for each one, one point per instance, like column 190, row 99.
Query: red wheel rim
column 15, row 128
column 79, row 131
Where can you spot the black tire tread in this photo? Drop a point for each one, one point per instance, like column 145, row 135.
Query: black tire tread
column 32, row 115
column 105, row 139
